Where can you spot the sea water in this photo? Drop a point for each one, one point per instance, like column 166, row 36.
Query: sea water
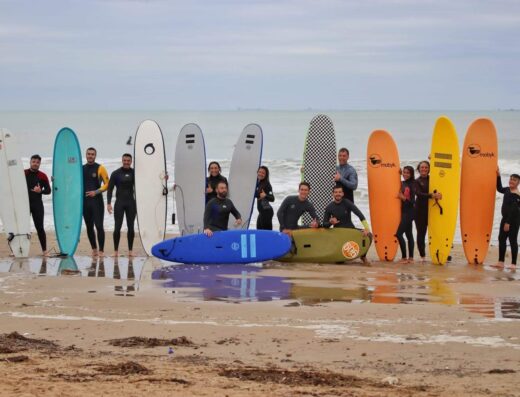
column 284, row 135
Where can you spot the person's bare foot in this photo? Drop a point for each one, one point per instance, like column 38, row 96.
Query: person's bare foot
column 95, row 253
column 403, row 261
column 498, row 265
column 365, row 261
column 130, row 254
column 45, row 254
column 115, row 254
column 410, row 260
column 511, row 267
column 101, row 254
column 423, row 259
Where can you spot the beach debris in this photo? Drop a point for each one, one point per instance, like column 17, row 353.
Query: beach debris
column 390, row 380
column 16, row 359
column 15, row 342
column 139, row 341
column 501, row 371
column 121, row 369
column 171, row 351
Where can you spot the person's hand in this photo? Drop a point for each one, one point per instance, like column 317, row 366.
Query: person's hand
column 366, row 233
column 437, row 196
column 208, row 232
column 109, row 208
column 506, row 227
column 314, row 224
column 498, row 171
column 333, row 220
column 92, row 193
column 209, row 189
column 238, row 222
column 337, row 177
column 262, row 195
column 37, row 189
column 287, row 231
column 401, row 196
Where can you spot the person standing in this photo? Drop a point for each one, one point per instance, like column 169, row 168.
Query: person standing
column 216, row 214
column 213, row 179
column 346, row 175
column 293, row 207
column 264, row 196
column 123, row 179
column 95, row 182
column 37, row 185
column 407, row 197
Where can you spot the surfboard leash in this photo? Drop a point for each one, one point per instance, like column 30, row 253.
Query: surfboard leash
column 437, row 202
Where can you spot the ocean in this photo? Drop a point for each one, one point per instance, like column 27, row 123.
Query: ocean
column 284, row 134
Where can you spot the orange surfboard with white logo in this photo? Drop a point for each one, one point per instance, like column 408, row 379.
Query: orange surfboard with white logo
column 384, row 182
column 477, row 188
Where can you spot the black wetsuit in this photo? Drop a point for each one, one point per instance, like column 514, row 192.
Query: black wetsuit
column 34, row 178
column 93, row 207
column 216, row 214
column 510, row 215
column 422, row 185
column 123, row 179
column 291, row 210
column 265, row 211
column 212, row 182
column 407, row 214
column 342, row 212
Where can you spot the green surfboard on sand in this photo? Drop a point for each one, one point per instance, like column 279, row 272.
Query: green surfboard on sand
column 337, row 245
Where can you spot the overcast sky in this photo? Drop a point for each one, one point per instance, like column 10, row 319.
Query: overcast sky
column 281, row 54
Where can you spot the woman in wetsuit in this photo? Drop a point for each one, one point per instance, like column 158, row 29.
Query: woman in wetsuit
column 510, row 222
column 407, row 197
column 264, row 196
column 213, row 179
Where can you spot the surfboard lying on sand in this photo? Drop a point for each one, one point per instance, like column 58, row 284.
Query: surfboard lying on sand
column 335, row 245
column 14, row 202
column 232, row 246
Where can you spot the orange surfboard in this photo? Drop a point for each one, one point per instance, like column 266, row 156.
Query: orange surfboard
column 477, row 189
column 384, row 182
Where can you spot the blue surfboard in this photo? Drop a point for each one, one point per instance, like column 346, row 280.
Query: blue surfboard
column 232, row 246
column 67, row 190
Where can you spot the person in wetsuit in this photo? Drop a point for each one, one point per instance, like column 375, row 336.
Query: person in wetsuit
column 37, row 184
column 123, row 180
column 407, row 197
column 213, row 179
column 95, row 182
column 264, row 196
column 293, row 207
column 216, row 214
column 422, row 195
column 346, row 175
column 510, row 222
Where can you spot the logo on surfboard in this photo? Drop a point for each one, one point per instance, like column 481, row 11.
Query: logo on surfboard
column 149, row 149
column 350, row 250
column 474, row 150
column 376, row 161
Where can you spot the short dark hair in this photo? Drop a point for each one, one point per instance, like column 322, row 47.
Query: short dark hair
column 127, row 155
column 222, row 182
column 303, row 183
column 515, row 176
column 36, row 156
column 92, row 148
column 344, row 149
column 337, row 186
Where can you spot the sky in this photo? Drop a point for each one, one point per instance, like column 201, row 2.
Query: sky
column 281, row 54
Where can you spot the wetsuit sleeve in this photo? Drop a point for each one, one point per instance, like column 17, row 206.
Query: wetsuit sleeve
column 312, row 211
column 419, row 192
column 235, row 212
column 353, row 208
column 207, row 214
column 111, row 185
column 45, row 185
column 269, row 196
column 350, row 180
column 326, row 217
column 103, row 177
column 500, row 189
column 280, row 214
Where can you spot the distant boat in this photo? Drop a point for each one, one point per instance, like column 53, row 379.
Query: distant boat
column 129, row 141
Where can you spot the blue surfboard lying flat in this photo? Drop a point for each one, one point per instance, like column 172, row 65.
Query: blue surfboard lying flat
column 232, row 246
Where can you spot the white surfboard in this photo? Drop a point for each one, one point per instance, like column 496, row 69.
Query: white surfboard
column 243, row 173
column 190, row 179
column 14, row 203
column 150, row 183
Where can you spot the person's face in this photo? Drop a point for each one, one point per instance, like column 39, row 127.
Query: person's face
column 406, row 174
column 91, row 156
column 424, row 169
column 303, row 192
column 214, row 170
column 127, row 162
column 513, row 183
column 222, row 190
column 342, row 158
column 35, row 164
column 261, row 174
column 337, row 194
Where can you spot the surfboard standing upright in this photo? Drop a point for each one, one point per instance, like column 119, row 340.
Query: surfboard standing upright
column 14, row 203
column 319, row 163
column 383, row 187
column 190, row 179
column 243, row 173
column 444, row 179
column 150, row 184
column 477, row 189
column 67, row 189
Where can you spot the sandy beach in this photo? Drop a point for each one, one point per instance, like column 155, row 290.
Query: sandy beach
column 343, row 330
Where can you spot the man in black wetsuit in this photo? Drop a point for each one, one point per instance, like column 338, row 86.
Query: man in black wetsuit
column 216, row 214
column 123, row 180
column 37, row 184
column 95, row 182
column 338, row 213
column 293, row 207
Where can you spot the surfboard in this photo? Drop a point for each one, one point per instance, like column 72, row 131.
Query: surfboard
column 231, row 246
column 67, row 190
column 444, row 179
column 384, row 182
column 243, row 173
column 190, row 179
column 150, row 183
column 14, row 205
column 335, row 245
column 477, row 189
column 319, row 164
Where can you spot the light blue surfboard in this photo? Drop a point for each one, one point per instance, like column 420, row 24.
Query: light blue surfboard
column 67, row 190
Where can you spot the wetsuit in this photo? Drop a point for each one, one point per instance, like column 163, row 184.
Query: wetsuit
column 510, row 215
column 407, row 213
column 265, row 211
column 348, row 180
column 422, row 185
column 216, row 214
column 123, row 180
column 93, row 208
column 33, row 179
column 342, row 212
column 291, row 210
column 212, row 182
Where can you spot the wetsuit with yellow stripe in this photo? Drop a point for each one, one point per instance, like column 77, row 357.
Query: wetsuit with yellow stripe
column 95, row 178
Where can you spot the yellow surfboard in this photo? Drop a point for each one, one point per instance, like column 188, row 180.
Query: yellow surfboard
column 444, row 179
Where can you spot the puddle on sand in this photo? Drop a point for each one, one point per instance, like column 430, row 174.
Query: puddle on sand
column 395, row 285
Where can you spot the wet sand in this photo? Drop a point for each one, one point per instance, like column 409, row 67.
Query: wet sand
column 383, row 330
